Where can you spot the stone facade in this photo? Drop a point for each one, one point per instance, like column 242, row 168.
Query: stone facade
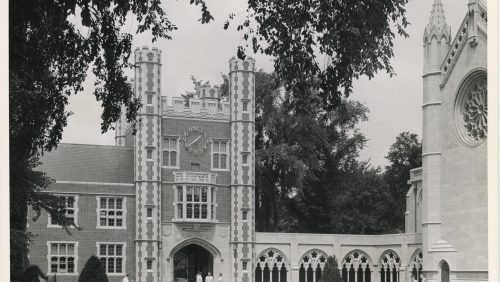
column 178, row 197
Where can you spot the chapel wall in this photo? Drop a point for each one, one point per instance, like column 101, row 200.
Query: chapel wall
column 464, row 174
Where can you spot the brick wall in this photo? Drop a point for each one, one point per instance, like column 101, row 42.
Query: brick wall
column 89, row 235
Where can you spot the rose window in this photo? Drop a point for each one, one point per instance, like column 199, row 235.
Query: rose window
column 471, row 110
column 476, row 111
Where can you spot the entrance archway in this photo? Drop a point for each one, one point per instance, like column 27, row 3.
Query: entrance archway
column 190, row 260
column 445, row 272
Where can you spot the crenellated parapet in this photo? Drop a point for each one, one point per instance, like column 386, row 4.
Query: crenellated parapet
column 211, row 109
column 147, row 55
column 208, row 92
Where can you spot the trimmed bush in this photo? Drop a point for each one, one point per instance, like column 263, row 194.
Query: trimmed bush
column 331, row 271
column 93, row 271
column 33, row 274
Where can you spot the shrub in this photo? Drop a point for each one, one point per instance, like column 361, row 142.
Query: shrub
column 331, row 271
column 93, row 271
column 32, row 274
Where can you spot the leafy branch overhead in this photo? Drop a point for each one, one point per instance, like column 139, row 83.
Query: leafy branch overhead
column 52, row 47
column 322, row 44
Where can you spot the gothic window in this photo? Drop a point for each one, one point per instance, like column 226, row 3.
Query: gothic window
column 311, row 266
column 194, row 202
column 416, row 263
column 471, row 110
column 271, row 266
column 70, row 210
column 220, row 150
column 171, row 152
column 112, row 256
column 149, row 154
column 245, row 106
column 356, row 267
column 389, row 267
column 63, row 257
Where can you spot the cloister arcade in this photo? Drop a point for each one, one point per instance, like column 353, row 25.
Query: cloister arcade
column 272, row 265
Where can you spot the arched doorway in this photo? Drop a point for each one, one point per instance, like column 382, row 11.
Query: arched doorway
column 445, row 272
column 190, row 260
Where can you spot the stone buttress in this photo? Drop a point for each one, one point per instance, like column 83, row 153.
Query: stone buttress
column 242, row 99
column 148, row 165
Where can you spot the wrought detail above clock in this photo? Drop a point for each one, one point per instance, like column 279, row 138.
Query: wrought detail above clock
column 195, row 140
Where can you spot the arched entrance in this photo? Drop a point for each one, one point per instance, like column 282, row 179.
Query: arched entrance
column 445, row 272
column 190, row 260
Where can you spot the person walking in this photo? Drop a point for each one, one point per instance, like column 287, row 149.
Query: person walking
column 125, row 279
column 220, row 277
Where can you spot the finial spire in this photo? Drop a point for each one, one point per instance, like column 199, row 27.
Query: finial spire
column 437, row 24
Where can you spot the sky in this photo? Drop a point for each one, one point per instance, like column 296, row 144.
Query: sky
column 204, row 51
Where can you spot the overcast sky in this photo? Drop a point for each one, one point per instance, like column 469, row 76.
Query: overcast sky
column 204, row 51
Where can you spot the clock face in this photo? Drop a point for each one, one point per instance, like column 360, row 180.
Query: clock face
column 195, row 140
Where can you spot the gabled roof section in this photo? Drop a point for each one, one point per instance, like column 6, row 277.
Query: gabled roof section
column 437, row 26
column 475, row 22
column 89, row 163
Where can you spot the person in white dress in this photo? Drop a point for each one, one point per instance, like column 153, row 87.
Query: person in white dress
column 220, row 277
column 209, row 278
column 199, row 278
column 125, row 279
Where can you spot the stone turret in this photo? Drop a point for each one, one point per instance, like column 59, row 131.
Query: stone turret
column 242, row 99
column 437, row 38
column 148, row 164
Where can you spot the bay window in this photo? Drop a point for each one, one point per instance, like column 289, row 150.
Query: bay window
column 195, row 202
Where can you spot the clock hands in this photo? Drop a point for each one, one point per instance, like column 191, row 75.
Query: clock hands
column 193, row 141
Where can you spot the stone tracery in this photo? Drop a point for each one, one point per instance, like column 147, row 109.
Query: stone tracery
column 390, row 264
column 356, row 267
column 271, row 266
column 475, row 112
column 416, row 263
column 311, row 265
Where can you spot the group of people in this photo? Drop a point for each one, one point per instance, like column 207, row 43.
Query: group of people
column 209, row 277
column 422, row 278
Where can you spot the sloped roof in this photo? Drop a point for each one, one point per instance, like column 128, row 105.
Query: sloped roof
column 89, row 163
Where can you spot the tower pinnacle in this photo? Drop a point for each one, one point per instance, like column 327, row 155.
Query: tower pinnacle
column 437, row 24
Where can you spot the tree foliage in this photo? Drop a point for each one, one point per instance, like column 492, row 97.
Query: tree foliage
column 52, row 46
column 404, row 155
column 93, row 271
column 321, row 46
column 331, row 271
